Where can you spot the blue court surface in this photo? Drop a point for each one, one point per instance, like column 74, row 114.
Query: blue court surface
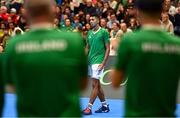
column 116, row 107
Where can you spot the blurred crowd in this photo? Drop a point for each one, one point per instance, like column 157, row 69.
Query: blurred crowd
column 117, row 16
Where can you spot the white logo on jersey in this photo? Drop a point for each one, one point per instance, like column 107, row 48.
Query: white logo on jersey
column 47, row 45
column 157, row 48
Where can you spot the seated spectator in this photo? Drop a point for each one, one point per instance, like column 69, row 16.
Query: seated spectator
column 99, row 8
column 167, row 24
column 17, row 4
column 106, row 8
column 112, row 20
column 120, row 13
column 103, row 23
column 89, row 9
column 113, row 4
column 3, row 13
column 77, row 23
column 11, row 27
column 133, row 24
column 87, row 18
column 115, row 35
column 56, row 22
column 13, row 15
column 17, row 31
column 172, row 9
column 5, row 38
column 177, row 23
column 68, row 26
column 62, row 23
column 124, row 29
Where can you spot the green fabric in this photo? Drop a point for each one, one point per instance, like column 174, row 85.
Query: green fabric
column 150, row 59
column 46, row 66
column 96, row 42
column 1, row 87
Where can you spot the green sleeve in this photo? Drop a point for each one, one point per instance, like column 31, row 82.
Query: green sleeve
column 123, row 54
column 106, row 37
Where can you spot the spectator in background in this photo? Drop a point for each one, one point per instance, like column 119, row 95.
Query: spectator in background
column 62, row 23
column 13, row 15
column 5, row 38
column 113, row 19
column 89, row 9
column 88, row 26
column 115, row 31
column 178, row 5
column 99, row 8
column 177, row 23
column 77, row 23
column 3, row 3
column 172, row 9
column 58, row 12
column 22, row 22
column 74, row 5
column 17, row 4
column 68, row 12
column 68, row 26
column 113, row 4
column 120, row 12
column 103, row 23
column 115, row 36
column 3, row 13
column 166, row 23
column 106, row 8
column 124, row 29
column 133, row 24
column 85, row 30
column 56, row 23
column 17, row 31
column 11, row 27
column 87, row 19
column 65, row 4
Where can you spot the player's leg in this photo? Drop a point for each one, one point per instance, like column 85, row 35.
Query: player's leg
column 105, row 107
column 97, row 74
column 93, row 97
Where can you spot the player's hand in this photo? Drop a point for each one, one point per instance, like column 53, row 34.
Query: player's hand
column 100, row 67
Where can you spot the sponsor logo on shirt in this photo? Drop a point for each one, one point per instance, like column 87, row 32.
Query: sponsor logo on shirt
column 157, row 48
column 35, row 46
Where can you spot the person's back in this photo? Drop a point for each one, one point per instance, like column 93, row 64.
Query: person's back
column 153, row 73
column 150, row 58
column 1, row 86
column 46, row 70
column 47, row 67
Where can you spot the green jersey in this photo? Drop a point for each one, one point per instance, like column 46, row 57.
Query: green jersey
column 1, row 87
column 96, row 42
column 46, row 67
column 151, row 60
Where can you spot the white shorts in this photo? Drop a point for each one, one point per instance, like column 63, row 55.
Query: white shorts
column 93, row 71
